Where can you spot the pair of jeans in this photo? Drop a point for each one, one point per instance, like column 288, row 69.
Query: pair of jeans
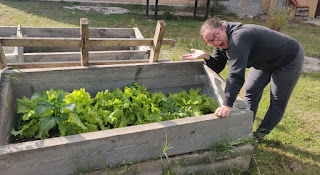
column 282, row 82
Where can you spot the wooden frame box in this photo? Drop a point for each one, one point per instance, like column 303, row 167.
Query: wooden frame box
column 59, row 54
column 62, row 155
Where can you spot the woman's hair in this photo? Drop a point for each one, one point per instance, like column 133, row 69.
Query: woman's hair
column 210, row 23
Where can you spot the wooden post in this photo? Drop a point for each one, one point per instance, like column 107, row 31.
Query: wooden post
column 3, row 62
column 157, row 41
column 207, row 11
column 84, row 31
column 139, row 35
column 19, row 50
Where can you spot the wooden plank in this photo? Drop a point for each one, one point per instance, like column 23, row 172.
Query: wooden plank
column 139, row 35
column 132, row 144
column 161, row 75
column 120, row 42
column 157, row 41
column 199, row 162
column 84, row 47
column 127, row 42
column 76, row 56
column 40, row 42
column 8, row 31
column 75, row 42
column 7, row 110
column 3, row 61
column 219, row 85
column 75, row 32
column 19, row 50
column 30, row 65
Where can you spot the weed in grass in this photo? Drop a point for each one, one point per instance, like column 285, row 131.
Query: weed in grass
column 103, row 163
column 165, row 149
column 277, row 20
column 126, row 167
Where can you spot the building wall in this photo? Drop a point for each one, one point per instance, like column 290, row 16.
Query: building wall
column 240, row 7
column 312, row 6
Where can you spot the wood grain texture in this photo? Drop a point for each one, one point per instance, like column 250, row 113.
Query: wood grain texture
column 134, row 143
column 19, row 50
column 75, row 42
column 84, row 46
column 139, row 35
column 160, row 75
column 157, row 41
column 7, row 110
column 35, row 65
column 70, row 32
column 76, row 56
column 3, row 61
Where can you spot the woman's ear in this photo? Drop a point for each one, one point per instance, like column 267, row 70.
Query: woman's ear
column 223, row 27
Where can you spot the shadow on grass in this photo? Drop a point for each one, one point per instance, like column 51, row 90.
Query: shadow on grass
column 275, row 157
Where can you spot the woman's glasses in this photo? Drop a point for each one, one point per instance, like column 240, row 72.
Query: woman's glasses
column 216, row 36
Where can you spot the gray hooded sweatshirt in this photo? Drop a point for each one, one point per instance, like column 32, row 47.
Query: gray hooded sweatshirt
column 251, row 46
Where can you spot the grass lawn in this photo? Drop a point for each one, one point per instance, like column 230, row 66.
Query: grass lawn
column 291, row 148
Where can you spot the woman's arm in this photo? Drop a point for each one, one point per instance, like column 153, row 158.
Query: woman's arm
column 217, row 62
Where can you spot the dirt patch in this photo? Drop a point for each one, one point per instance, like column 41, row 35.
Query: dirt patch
column 99, row 9
column 311, row 64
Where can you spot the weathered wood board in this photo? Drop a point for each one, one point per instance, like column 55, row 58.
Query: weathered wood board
column 131, row 144
column 71, row 37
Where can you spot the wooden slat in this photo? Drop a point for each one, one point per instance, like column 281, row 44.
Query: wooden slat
column 30, row 65
column 75, row 42
column 40, row 42
column 19, row 50
column 3, row 62
column 84, row 41
column 139, row 35
column 120, row 42
column 170, row 42
column 76, row 56
column 157, row 41
column 75, row 32
column 6, row 31
column 218, row 84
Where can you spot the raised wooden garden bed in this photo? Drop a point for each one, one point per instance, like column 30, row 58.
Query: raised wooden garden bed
column 66, row 45
column 65, row 155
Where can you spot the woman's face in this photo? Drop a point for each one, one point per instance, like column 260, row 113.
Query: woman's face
column 216, row 37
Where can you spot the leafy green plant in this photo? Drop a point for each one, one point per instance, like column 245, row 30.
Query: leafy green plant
column 76, row 112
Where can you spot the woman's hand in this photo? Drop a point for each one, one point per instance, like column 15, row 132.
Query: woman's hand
column 223, row 111
column 196, row 54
